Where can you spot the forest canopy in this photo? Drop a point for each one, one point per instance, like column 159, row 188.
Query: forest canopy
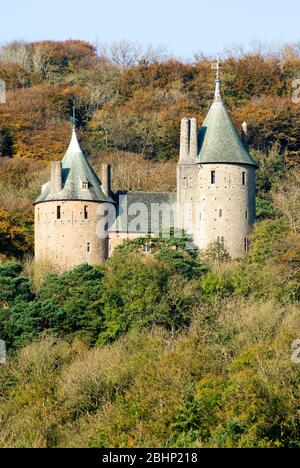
column 130, row 99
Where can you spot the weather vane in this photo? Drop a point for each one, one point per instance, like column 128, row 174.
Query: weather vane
column 73, row 118
column 217, row 67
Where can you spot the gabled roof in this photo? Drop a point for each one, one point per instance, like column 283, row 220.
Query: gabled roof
column 219, row 141
column 147, row 216
column 75, row 170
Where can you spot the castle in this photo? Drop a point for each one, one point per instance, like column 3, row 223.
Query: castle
column 214, row 202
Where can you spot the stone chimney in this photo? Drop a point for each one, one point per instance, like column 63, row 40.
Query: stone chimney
column 193, row 139
column 56, row 177
column 184, row 139
column 188, row 140
column 106, row 179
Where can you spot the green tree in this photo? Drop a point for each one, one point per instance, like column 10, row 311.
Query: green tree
column 67, row 304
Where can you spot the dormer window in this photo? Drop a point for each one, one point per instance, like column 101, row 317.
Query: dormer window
column 85, row 185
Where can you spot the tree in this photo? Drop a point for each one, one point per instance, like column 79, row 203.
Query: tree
column 6, row 142
column 139, row 291
column 264, row 209
column 14, row 288
column 16, row 236
column 68, row 304
column 287, row 201
column 127, row 54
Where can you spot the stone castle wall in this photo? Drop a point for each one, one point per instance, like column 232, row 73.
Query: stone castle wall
column 117, row 238
column 223, row 210
column 71, row 240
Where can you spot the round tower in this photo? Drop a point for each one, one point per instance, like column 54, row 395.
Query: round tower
column 223, row 185
column 67, row 213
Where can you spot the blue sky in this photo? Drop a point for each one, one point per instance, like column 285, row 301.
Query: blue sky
column 183, row 26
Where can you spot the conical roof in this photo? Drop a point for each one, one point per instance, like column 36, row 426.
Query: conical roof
column 75, row 171
column 219, row 141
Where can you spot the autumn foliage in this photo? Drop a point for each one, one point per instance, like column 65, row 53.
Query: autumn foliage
column 173, row 349
column 132, row 102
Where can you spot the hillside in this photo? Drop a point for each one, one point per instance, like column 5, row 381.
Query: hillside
column 129, row 104
column 174, row 349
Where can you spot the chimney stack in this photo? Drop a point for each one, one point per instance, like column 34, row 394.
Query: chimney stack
column 184, row 139
column 188, row 140
column 106, row 179
column 193, row 139
column 56, row 177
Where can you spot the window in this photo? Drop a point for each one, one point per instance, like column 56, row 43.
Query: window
column 58, row 212
column 246, row 214
column 85, row 214
column 221, row 240
column 244, row 178
column 85, row 185
column 220, row 213
column 246, row 245
column 88, row 247
column 213, row 177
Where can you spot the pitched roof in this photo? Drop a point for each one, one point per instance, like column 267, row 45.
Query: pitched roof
column 142, row 205
column 219, row 141
column 75, row 170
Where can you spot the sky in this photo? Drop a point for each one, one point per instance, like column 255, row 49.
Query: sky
column 182, row 26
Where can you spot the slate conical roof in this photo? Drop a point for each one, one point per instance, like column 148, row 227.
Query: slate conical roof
column 76, row 170
column 219, row 141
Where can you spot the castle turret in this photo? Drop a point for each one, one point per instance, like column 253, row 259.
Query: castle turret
column 217, row 192
column 66, row 213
